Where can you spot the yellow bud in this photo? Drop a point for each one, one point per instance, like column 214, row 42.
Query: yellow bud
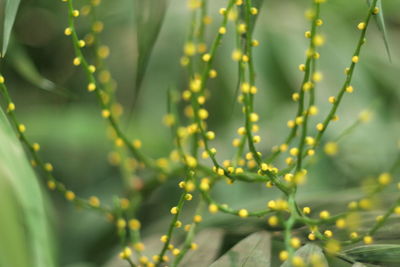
column 77, row 61
column 243, row 213
column 203, row 114
column 253, row 117
column 212, row 208
column 174, row 210
column 349, row 89
column 299, row 120
column 331, row 148
column 317, row 76
column 67, row 31
column 273, row 221
column 81, row 43
column 206, row 57
column 255, row 43
column 212, row 74
column 222, row 30
column 51, row 185
column 368, row 240
column 385, row 178
column 21, row 128
column 313, row 110
column 318, row 40
column 48, row 167
column 94, row 201
column 291, row 124
column 92, row 69
column 254, row 11
column 176, row 252
column 306, row 210
column 69, row 195
column 105, row 113
column 328, row 233
column 307, row 86
column 10, row 107
column 283, row 255
column 311, row 236
column 237, row 55
column 75, row 13
column 298, row 261
column 341, row 223
column 353, row 235
column 324, row 214
column 294, row 151
column 295, row 242
column 397, row 210
column 91, row 87
column 197, row 218
column 361, row 26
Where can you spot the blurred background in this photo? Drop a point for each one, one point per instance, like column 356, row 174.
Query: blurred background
column 65, row 119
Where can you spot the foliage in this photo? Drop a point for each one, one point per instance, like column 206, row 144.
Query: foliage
column 290, row 223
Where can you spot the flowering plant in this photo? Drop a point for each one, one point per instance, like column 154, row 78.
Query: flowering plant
column 308, row 234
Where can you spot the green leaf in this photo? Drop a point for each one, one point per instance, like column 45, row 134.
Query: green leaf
column 310, row 253
column 25, row 67
column 253, row 19
column 387, row 255
column 209, row 241
column 24, row 229
column 257, row 4
column 380, row 21
column 11, row 8
column 12, row 241
column 149, row 18
column 253, row 251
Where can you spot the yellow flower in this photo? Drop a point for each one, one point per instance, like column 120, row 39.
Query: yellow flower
column 243, row 213
column 331, row 148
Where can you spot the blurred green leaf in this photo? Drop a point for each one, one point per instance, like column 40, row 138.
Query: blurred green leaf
column 149, row 19
column 253, row 251
column 380, row 21
column 207, row 251
column 12, row 244
column 24, row 229
column 387, row 255
column 11, row 8
column 253, row 19
column 257, row 4
column 310, row 253
column 24, row 65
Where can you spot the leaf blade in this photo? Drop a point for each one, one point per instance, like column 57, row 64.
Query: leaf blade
column 385, row 254
column 149, row 18
column 26, row 68
column 253, row 251
column 380, row 21
column 206, row 253
column 23, row 187
column 308, row 253
column 11, row 8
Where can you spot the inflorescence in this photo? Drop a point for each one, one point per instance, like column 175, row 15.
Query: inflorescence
column 193, row 139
